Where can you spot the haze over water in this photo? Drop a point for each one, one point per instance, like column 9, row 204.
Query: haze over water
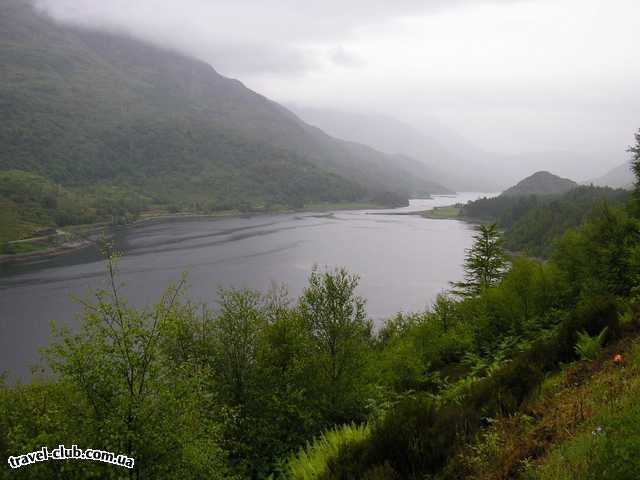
column 403, row 261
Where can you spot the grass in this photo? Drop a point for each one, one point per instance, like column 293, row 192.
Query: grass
column 23, row 247
column 607, row 445
column 583, row 423
column 311, row 462
column 322, row 207
column 443, row 213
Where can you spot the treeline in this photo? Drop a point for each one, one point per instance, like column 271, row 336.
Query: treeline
column 30, row 203
column 531, row 223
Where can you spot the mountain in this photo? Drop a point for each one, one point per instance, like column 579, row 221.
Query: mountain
column 85, row 108
column 450, row 159
column 541, row 183
column 618, row 177
column 447, row 157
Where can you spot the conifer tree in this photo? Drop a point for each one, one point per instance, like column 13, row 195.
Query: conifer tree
column 485, row 262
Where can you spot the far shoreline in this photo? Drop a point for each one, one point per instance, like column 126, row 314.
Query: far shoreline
column 80, row 235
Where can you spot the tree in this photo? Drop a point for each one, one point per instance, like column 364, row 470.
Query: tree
column 444, row 310
column 337, row 322
column 235, row 332
column 635, row 166
column 485, row 262
column 128, row 396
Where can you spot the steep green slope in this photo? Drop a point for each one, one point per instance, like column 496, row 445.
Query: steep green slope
column 81, row 107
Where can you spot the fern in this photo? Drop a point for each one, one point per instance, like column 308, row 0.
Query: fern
column 587, row 347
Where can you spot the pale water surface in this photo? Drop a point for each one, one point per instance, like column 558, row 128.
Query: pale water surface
column 404, row 261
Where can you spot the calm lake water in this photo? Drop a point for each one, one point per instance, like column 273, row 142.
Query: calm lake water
column 403, row 262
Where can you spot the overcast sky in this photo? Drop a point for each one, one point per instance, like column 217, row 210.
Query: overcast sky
column 509, row 75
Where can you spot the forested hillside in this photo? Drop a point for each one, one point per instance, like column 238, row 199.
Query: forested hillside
column 531, row 223
column 540, row 183
column 84, row 108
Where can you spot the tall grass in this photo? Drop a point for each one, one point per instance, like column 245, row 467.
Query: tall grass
column 311, row 462
column 607, row 446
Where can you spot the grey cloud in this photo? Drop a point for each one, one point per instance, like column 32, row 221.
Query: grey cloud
column 245, row 36
column 340, row 56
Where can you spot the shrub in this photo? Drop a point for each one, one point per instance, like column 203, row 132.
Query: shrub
column 589, row 347
column 591, row 315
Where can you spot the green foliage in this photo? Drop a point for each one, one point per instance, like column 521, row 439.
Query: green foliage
column 311, row 463
column 30, row 203
column 485, row 262
column 606, row 445
column 114, row 391
column 532, row 223
column 601, row 256
column 336, row 318
column 588, row 347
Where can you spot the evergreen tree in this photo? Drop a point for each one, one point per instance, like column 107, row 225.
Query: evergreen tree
column 485, row 262
column 635, row 166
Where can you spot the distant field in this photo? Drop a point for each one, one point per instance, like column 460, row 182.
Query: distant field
column 441, row 213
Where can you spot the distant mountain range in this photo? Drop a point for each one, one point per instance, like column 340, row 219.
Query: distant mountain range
column 447, row 157
column 618, row 177
column 541, row 183
column 83, row 108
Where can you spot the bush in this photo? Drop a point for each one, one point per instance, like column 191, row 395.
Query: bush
column 588, row 347
column 591, row 315
column 420, row 433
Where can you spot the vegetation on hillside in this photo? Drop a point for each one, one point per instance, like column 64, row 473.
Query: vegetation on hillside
column 540, row 183
column 89, row 110
column 532, row 223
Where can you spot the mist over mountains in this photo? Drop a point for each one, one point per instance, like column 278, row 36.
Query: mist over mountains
column 443, row 153
column 451, row 158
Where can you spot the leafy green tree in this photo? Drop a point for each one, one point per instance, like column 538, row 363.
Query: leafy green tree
column 444, row 310
column 602, row 256
column 131, row 399
column 340, row 331
column 235, row 334
column 485, row 262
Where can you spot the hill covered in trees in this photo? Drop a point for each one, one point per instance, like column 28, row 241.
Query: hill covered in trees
column 540, row 183
column 531, row 223
column 85, row 109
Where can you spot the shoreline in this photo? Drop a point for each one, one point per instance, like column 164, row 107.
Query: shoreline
column 80, row 234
